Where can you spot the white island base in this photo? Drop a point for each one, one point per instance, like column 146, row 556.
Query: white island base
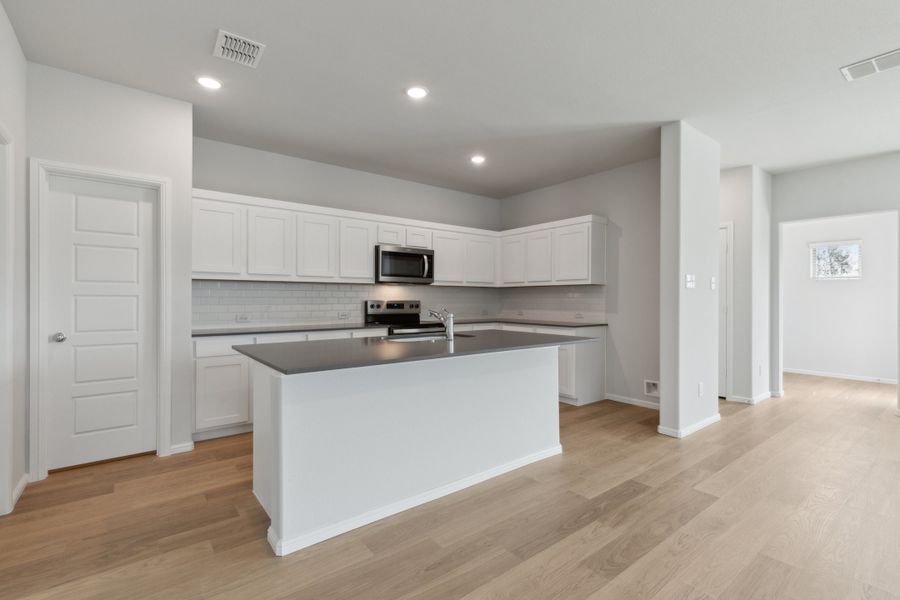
column 336, row 450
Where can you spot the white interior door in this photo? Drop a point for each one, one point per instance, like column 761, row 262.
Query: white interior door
column 98, row 319
column 723, row 310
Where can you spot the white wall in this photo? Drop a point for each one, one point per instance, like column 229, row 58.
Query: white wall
column 863, row 185
column 746, row 203
column 241, row 170
column 13, row 301
column 689, row 244
column 842, row 328
column 629, row 198
column 85, row 121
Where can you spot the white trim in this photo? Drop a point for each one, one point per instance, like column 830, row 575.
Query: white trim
column 728, row 226
column 179, row 448
column 211, row 434
column 777, row 394
column 634, row 401
column 283, row 547
column 740, row 399
column 841, row 376
column 39, row 170
column 7, row 321
column 19, row 489
column 686, row 431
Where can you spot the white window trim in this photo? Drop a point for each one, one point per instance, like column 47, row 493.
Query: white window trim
column 812, row 265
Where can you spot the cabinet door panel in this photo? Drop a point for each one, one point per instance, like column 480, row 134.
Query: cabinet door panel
column 567, row 371
column 391, row 235
column 270, row 242
column 481, row 260
column 317, row 246
column 223, row 391
column 418, row 238
column 538, row 257
column 357, row 253
column 512, row 260
column 571, row 253
column 217, row 237
column 449, row 258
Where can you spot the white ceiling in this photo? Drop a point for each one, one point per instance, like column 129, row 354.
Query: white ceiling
column 546, row 90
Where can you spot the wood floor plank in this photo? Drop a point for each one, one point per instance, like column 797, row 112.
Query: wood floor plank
column 792, row 499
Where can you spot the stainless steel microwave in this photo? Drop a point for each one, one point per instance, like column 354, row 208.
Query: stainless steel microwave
column 396, row 264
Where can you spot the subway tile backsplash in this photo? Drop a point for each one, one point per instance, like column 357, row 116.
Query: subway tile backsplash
column 217, row 303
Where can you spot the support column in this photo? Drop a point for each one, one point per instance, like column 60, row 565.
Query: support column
column 689, row 262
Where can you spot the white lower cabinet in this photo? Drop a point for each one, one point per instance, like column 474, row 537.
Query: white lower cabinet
column 223, row 398
column 582, row 367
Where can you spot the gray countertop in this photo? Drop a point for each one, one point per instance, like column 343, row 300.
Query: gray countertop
column 291, row 358
column 252, row 329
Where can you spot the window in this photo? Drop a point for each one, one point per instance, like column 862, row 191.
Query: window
column 835, row 260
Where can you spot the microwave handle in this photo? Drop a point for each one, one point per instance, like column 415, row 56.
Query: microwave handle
column 425, row 273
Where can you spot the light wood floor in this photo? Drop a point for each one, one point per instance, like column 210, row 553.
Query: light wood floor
column 797, row 498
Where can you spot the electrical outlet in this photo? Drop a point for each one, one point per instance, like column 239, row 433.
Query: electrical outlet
column 520, row 312
column 242, row 318
column 343, row 316
column 579, row 316
column 690, row 281
column 712, row 283
column 700, row 390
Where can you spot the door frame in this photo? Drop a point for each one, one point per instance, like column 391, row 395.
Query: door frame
column 39, row 171
column 10, row 489
column 728, row 226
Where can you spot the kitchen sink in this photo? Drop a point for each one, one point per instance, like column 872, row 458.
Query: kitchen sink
column 423, row 338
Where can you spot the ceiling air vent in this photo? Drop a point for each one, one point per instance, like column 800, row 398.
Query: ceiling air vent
column 873, row 65
column 238, row 49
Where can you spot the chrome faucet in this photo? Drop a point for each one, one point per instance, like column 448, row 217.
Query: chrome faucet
column 445, row 317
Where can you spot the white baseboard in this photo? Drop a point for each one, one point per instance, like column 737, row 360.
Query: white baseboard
column 212, row 434
column 284, row 547
column 16, row 493
column 761, row 397
column 686, row 431
column 778, row 394
column 634, row 401
column 741, row 399
column 841, row 376
column 179, row 448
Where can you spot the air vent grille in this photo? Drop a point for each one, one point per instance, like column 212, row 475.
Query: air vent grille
column 238, row 49
column 870, row 66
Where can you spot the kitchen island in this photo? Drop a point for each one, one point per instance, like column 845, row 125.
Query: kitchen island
column 350, row 431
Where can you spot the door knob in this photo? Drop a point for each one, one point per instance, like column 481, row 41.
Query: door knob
column 60, row 337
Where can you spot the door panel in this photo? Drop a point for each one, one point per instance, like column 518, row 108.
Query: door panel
column 357, row 254
column 512, row 263
column 481, row 260
column 317, row 246
column 99, row 285
column 449, row 258
column 571, row 251
column 723, row 312
column 270, row 242
column 217, row 238
column 538, row 257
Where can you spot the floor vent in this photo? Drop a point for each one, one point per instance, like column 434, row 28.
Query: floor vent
column 870, row 66
column 238, row 49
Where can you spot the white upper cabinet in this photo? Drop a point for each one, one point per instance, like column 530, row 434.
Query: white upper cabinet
column 449, row 257
column 571, row 253
column 539, row 257
column 391, row 235
column 217, row 241
column 317, row 246
column 239, row 237
column 270, row 242
column 512, row 259
column 418, row 238
column 481, row 260
column 357, row 250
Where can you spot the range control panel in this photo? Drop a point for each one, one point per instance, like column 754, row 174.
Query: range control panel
column 392, row 307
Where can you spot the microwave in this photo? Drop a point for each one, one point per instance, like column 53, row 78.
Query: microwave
column 396, row 264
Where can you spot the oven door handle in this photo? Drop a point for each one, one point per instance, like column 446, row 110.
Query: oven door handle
column 425, row 273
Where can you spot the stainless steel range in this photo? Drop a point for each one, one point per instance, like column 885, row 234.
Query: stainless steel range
column 402, row 317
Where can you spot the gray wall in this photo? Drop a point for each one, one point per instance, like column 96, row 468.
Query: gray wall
column 241, row 170
column 85, row 121
column 13, row 410
column 629, row 198
column 856, row 186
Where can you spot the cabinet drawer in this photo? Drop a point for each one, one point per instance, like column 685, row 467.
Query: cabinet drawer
column 276, row 338
column 220, row 345
column 328, row 335
column 366, row 333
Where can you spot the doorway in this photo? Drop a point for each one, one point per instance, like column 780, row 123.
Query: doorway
column 726, row 300
column 99, row 331
column 839, row 296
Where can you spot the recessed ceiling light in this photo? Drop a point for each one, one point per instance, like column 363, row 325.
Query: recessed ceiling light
column 477, row 159
column 417, row 92
column 209, row 83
